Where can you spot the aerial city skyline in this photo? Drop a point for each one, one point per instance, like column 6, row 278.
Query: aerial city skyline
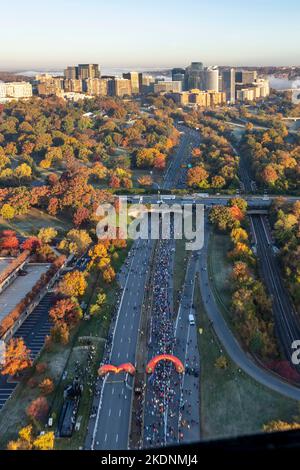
column 149, row 231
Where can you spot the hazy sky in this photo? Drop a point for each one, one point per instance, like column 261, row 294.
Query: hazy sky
column 140, row 33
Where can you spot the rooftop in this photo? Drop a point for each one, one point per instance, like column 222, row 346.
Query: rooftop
column 4, row 262
column 14, row 293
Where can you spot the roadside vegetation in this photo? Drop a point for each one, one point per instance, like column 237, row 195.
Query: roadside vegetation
column 74, row 348
column 285, row 219
column 246, row 303
column 232, row 403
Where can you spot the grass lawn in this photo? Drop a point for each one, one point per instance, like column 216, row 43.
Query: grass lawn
column 220, row 268
column 231, row 402
column 30, row 224
column 13, row 415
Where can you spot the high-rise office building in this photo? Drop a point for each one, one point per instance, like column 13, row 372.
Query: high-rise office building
column 134, row 80
column 119, row 87
column 71, row 73
column 73, row 85
column 95, row 86
column 48, row 85
column 245, row 76
column 177, row 71
column 82, row 72
column 146, row 83
column 228, row 85
column 212, row 79
column 88, row 71
column 195, row 76
column 178, row 75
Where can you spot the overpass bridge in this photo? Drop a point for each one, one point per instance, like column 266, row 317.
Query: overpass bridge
column 290, row 118
column 258, row 211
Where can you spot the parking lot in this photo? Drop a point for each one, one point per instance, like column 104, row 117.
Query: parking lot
column 20, row 287
column 34, row 330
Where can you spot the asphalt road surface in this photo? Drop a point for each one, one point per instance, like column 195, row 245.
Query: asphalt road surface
column 109, row 425
column 175, row 176
column 231, row 345
column 188, row 352
column 286, row 318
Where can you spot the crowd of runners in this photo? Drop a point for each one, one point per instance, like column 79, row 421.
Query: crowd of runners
column 161, row 400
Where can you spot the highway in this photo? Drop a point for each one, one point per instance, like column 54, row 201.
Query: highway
column 286, row 319
column 109, row 425
column 226, row 337
column 171, row 413
column 186, row 348
column 172, row 416
column 175, row 176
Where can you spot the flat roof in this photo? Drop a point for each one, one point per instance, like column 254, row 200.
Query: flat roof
column 4, row 262
column 21, row 286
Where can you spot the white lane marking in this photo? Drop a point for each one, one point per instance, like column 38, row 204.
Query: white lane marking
column 109, row 413
column 105, row 439
column 98, row 413
column 120, row 411
column 120, row 306
column 117, row 437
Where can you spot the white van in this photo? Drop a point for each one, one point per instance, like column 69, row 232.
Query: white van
column 191, row 319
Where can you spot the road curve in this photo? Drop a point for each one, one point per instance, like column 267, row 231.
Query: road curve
column 225, row 335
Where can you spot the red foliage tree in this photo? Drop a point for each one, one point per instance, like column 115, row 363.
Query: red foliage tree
column 38, row 409
column 31, row 244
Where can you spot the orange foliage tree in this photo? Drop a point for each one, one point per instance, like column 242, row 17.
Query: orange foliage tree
column 17, row 357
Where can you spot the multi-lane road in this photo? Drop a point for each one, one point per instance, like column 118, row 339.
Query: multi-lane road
column 286, row 319
column 175, row 176
column 110, row 421
column 109, row 424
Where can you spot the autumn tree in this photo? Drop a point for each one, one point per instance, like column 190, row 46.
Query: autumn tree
column 145, row 180
column 24, row 441
column 60, row 333
column 221, row 363
column 197, row 177
column 38, row 409
column 46, row 386
column 46, row 234
column 7, row 212
column 17, row 357
column 66, row 311
column 109, row 275
column 275, row 426
column 73, row 284
column 31, row 244
column 76, row 241
column 44, row 441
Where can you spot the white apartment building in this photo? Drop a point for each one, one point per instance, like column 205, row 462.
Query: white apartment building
column 2, row 90
column 16, row 90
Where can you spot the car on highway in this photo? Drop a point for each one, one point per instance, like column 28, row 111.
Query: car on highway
column 191, row 319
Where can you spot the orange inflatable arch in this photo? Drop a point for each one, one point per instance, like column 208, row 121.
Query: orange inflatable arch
column 128, row 367
column 164, row 357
